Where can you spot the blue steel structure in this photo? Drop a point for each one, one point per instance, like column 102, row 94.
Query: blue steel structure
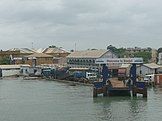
column 133, row 75
column 105, row 73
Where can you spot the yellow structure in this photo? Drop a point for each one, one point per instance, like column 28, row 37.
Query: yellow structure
column 38, row 59
column 56, row 52
column 51, row 55
column 59, row 54
column 9, row 53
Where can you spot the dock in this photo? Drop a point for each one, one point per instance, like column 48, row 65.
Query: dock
column 116, row 83
column 117, row 88
column 112, row 86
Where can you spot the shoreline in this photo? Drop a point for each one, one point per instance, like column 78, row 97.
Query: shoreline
column 72, row 83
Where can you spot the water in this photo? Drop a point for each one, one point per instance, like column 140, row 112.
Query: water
column 34, row 100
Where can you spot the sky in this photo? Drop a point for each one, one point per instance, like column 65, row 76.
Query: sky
column 80, row 24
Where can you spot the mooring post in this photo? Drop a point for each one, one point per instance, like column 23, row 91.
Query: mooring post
column 94, row 92
column 105, row 91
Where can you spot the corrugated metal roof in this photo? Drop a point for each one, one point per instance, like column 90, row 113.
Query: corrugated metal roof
column 54, row 50
column 87, row 54
column 152, row 65
column 9, row 66
column 40, row 50
column 14, row 66
column 22, row 50
column 79, row 69
column 39, row 55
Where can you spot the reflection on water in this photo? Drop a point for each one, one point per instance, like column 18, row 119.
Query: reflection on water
column 121, row 108
column 34, row 100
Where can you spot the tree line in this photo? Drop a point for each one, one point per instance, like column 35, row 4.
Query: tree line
column 123, row 53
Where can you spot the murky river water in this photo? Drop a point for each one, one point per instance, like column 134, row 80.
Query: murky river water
column 34, row 100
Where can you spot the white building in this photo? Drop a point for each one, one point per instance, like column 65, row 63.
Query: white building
column 160, row 59
column 86, row 59
column 27, row 70
column 150, row 68
column 10, row 70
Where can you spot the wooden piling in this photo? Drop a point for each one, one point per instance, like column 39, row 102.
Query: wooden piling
column 94, row 92
column 105, row 91
column 142, row 91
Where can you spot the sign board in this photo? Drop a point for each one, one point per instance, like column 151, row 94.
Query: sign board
column 119, row 60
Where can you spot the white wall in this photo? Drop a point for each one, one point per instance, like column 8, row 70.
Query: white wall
column 10, row 72
column 160, row 58
column 145, row 70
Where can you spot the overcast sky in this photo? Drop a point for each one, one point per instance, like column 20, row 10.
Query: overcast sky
column 84, row 23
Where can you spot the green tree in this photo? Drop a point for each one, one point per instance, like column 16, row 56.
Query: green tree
column 112, row 48
column 71, row 50
column 145, row 55
column 52, row 46
column 4, row 60
column 159, row 50
column 120, row 52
